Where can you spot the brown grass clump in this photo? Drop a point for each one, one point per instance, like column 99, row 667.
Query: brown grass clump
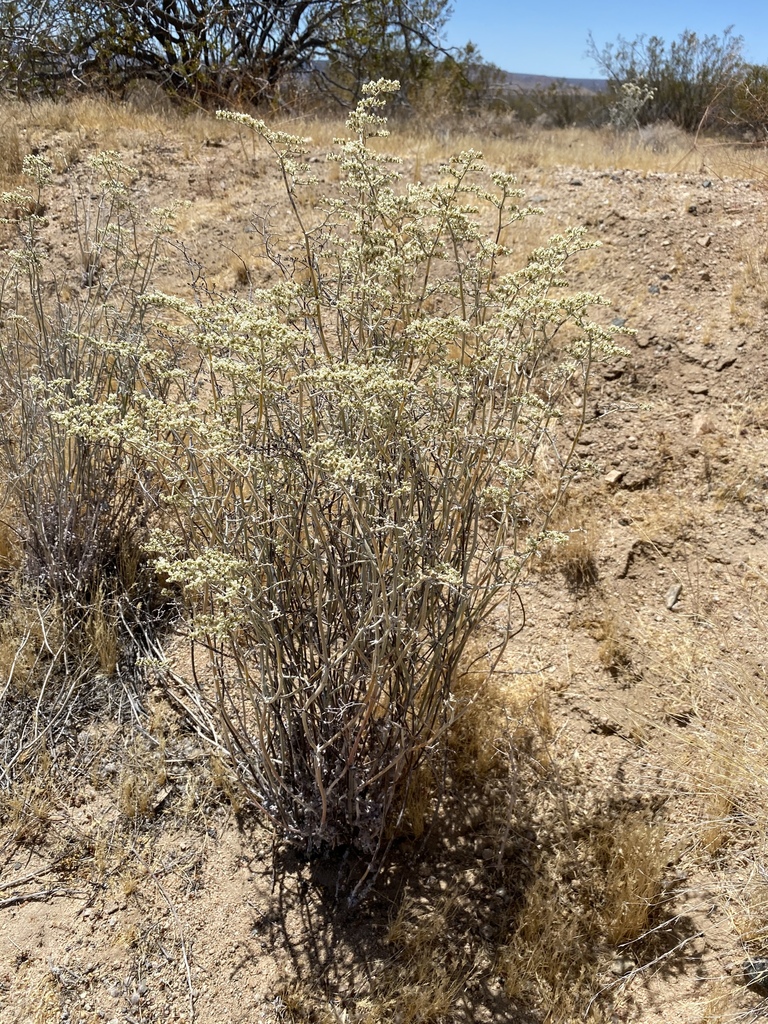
column 595, row 894
column 575, row 554
column 11, row 153
column 726, row 758
column 26, row 806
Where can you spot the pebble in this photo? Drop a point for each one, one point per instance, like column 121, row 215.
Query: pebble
column 621, row 966
column 726, row 359
column 756, row 972
column 702, row 424
column 673, row 596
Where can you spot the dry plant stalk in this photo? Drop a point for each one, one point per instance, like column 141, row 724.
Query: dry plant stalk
column 81, row 504
column 348, row 474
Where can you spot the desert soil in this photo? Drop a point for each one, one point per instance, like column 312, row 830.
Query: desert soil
column 186, row 910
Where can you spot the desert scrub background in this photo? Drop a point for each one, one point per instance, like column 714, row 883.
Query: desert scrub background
column 353, row 468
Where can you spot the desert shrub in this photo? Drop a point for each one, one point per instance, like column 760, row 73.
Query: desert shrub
column 691, row 78
column 748, row 110
column 212, row 49
column 79, row 590
column 624, row 113
column 82, row 505
column 561, row 105
column 356, row 468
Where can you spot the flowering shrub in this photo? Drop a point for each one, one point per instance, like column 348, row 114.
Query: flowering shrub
column 81, row 500
column 349, row 472
column 80, row 594
column 625, row 112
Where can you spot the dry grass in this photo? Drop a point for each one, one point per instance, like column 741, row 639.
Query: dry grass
column 708, row 711
column 726, row 758
column 65, row 127
column 574, row 556
column 26, row 806
column 596, row 887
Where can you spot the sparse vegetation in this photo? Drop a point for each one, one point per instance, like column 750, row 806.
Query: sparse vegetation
column 694, row 81
column 587, row 833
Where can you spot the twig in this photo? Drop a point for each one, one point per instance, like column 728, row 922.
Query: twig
column 625, row 979
column 41, row 896
column 28, row 878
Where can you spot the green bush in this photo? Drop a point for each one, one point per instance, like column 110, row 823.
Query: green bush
column 749, row 104
column 355, row 468
column 562, row 105
column 691, row 78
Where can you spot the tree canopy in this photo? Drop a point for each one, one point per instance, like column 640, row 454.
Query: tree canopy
column 216, row 48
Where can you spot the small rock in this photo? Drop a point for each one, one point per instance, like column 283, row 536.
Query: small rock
column 621, row 966
column 613, row 372
column 704, row 275
column 704, row 241
column 575, row 181
column 654, row 289
column 726, row 359
column 638, row 477
column 618, row 321
column 702, row 424
column 756, row 972
column 698, row 389
column 614, row 477
column 673, row 596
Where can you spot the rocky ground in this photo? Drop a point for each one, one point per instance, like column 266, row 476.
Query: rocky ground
column 628, row 716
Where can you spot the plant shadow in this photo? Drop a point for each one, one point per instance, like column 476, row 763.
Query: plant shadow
column 496, row 914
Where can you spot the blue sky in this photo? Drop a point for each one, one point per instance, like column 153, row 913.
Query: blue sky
column 550, row 37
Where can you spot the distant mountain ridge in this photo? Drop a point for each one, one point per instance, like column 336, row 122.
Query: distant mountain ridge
column 528, row 82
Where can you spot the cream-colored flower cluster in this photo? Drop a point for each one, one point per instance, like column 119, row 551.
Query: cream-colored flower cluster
column 346, row 464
